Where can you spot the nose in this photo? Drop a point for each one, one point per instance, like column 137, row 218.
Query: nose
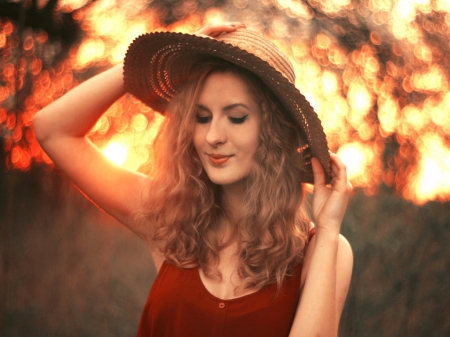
column 216, row 134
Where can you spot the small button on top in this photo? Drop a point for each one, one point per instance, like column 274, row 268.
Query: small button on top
column 221, row 305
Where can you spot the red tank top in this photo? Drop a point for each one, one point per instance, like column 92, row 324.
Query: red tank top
column 180, row 305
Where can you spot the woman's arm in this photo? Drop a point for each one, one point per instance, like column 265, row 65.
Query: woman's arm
column 328, row 260
column 61, row 129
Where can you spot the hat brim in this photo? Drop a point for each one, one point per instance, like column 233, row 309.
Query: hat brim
column 172, row 55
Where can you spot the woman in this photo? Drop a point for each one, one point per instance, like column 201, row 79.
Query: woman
column 221, row 210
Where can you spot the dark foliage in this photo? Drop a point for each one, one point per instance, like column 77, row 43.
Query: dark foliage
column 59, row 26
column 170, row 11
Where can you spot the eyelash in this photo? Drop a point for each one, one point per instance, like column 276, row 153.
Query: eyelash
column 234, row 120
column 203, row 120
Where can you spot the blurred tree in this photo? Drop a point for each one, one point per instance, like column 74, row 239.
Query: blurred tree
column 389, row 63
column 170, row 11
column 400, row 282
column 31, row 14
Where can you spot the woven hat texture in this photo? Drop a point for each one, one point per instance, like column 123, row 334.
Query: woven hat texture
column 156, row 64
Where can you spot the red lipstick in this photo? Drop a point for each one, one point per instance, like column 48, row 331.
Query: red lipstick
column 217, row 159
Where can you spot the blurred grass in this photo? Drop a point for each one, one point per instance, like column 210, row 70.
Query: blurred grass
column 68, row 269
column 400, row 284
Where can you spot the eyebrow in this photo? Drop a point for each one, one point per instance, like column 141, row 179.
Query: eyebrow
column 227, row 108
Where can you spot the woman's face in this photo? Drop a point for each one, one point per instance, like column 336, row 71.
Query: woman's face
column 227, row 128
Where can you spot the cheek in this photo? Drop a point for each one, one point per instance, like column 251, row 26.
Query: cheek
column 251, row 146
column 256, row 140
column 196, row 138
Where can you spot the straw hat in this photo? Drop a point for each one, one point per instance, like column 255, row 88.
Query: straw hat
column 156, row 64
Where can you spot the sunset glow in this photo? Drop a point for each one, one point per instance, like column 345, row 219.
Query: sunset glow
column 116, row 152
column 391, row 86
column 431, row 179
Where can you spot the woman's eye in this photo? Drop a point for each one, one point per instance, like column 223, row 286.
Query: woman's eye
column 203, row 119
column 238, row 120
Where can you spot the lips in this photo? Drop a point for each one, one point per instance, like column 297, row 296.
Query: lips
column 217, row 159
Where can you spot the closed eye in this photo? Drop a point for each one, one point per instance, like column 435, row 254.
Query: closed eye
column 203, row 119
column 238, row 120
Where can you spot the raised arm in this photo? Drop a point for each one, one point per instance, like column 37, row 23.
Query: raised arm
column 61, row 129
column 329, row 260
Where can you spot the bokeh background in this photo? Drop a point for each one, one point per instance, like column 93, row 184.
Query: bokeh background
column 376, row 72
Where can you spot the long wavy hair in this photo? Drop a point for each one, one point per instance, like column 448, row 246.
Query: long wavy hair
column 185, row 208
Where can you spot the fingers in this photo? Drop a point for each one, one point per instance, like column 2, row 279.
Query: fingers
column 215, row 30
column 319, row 174
column 339, row 178
column 330, row 202
column 338, row 173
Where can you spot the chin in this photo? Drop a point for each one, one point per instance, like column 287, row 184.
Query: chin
column 225, row 176
column 225, row 180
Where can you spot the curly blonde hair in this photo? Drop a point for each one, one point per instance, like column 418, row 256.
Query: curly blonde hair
column 185, row 207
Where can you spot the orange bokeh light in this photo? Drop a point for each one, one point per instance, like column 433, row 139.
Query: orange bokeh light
column 116, row 152
column 431, row 178
column 362, row 100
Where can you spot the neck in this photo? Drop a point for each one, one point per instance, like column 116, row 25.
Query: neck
column 232, row 199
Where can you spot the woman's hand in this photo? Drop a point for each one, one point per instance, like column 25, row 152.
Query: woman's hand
column 327, row 266
column 330, row 202
column 215, row 30
column 61, row 129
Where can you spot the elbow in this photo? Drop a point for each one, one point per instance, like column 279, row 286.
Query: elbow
column 39, row 126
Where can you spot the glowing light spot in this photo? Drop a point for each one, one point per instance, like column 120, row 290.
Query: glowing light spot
column 4, row 93
column 90, row 51
column 333, row 6
column 423, row 52
column 28, row 43
column 102, row 125
column 414, row 117
column 3, row 115
column 323, row 41
column 214, row 16
column 338, row 56
column 329, row 83
column 300, row 49
column 432, row 80
column 358, row 158
column 279, row 28
column 388, row 112
column 298, row 8
column 375, row 37
column 139, row 122
column 441, row 5
column 71, row 5
column 116, row 152
column 405, row 9
column 431, row 179
column 2, row 40
column 8, row 28
column 359, row 97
